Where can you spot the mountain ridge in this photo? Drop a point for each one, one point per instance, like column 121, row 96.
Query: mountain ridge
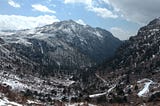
column 63, row 48
column 134, row 71
column 65, row 35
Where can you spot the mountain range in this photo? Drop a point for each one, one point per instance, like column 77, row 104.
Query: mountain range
column 64, row 45
column 43, row 63
column 66, row 62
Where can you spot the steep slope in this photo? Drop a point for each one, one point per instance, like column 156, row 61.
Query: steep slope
column 97, row 43
column 51, row 63
column 140, row 53
column 135, row 68
column 64, row 45
column 11, row 61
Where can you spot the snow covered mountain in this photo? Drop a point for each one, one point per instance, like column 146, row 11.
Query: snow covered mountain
column 63, row 45
column 56, row 62
column 51, row 63
column 97, row 43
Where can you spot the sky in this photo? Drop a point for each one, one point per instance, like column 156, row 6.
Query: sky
column 121, row 17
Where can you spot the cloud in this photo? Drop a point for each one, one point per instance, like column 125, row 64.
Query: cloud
column 106, row 1
column 87, row 2
column 93, row 6
column 139, row 11
column 14, row 4
column 80, row 21
column 42, row 8
column 131, row 10
column 16, row 22
column 102, row 12
column 120, row 33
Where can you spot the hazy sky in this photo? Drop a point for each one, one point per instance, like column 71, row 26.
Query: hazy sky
column 122, row 17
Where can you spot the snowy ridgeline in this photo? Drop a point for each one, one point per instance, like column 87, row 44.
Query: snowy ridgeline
column 44, row 86
column 22, row 36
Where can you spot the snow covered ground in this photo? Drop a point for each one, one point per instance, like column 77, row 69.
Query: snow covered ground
column 16, row 85
column 145, row 90
column 101, row 94
column 79, row 104
column 13, row 81
column 43, row 86
column 109, row 90
column 6, row 102
column 97, row 95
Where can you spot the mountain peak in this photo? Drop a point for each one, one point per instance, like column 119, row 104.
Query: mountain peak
column 69, row 21
column 72, row 35
column 156, row 21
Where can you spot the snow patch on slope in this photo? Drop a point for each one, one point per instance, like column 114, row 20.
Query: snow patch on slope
column 79, row 104
column 109, row 90
column 14, row 84
column 145, row 90
column 23, row 41
column 6, row 102
column 97, row 95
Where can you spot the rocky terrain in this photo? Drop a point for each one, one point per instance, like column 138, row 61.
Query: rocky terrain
column 53, row 63
column 132, row 76
column 64, row 45
column 57, row 65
